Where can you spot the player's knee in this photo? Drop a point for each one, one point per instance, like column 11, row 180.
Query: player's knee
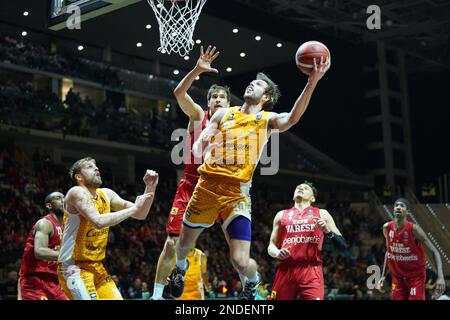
column 240, row 262
column 170, row 248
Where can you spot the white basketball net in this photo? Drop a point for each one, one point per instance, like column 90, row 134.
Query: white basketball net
column 176, row 20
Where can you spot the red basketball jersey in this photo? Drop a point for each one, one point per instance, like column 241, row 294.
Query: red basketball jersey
column 29, row 262
column 299, row 233
column 406, row 256
column 192, row 163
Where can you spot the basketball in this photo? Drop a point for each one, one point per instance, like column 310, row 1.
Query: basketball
column 304, row 58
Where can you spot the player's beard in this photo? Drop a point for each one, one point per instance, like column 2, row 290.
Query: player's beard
column 252, row 95
column 94, row 182
column 58, row 210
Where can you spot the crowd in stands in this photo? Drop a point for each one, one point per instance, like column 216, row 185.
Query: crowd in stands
column 35, row 56
column 21, row 105
column 134, row 246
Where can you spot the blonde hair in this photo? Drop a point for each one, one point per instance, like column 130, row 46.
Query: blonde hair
column 76, row 167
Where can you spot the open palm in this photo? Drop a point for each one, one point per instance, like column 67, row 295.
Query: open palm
column 206, row 58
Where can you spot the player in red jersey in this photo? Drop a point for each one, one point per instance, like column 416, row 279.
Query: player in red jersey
column 38, row 277
column 406, row 256
column 296, row 239
column 218, row 97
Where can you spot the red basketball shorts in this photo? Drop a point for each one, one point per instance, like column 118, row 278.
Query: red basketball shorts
column 305, row 281
column 182, row 196
column 408, row 288
column 41, row 287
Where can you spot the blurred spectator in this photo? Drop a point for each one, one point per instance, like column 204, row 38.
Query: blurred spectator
column 8, row 288
column 135, row 291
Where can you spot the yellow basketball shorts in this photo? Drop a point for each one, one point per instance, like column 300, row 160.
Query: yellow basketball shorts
column 193, row 291
column 87, row 280
column 215, row 198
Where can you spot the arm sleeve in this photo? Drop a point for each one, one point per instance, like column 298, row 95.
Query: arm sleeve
column 338, row 239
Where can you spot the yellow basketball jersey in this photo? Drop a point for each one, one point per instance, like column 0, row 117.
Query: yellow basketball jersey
column 81, row 240
column 243, row 138
column 193, row 282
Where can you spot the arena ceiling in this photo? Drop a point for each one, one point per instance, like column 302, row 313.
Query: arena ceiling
column 418, row 26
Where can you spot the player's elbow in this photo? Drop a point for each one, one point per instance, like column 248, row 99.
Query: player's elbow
column 38, row 254
column 178, row 93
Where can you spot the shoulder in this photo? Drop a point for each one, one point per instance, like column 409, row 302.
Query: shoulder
column 279, row 215
column 44, row 225
column 219, row 114
column 76, row 191
column 386, row 224
column 324, row 213
column 416, row 229
column 109, row 193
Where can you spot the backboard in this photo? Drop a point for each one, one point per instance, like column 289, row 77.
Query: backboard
column 62, row 13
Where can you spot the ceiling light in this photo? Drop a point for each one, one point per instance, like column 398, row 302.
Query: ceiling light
column 242, row 54
column 24, row 33
column 257, row 38
column 25, row 13
column 139, row 44
column 197, row 78
column 229, row 69
column 186, row 58
column 279, row 45
column 80, row 47
column 235, row 30
column 176, row 72
column 198, row 41
column 163, row 51
column 148, row 26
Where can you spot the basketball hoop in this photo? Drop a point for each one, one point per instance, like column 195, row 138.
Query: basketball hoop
column 176, row 20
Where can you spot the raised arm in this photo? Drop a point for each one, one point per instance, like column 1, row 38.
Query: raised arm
column 274, row 243
column 284, row 121
column 440, row 282
column 43, row 232
column 189, row 107
column 80, row 199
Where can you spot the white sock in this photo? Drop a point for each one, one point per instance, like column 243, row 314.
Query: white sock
column 182, row 264
column 158, row 289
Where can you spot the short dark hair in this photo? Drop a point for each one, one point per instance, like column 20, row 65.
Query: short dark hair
column 49, row 198
column 405, row 201
column 272, row 91
column 311, row 185
column 215, row 87
column 76, row 167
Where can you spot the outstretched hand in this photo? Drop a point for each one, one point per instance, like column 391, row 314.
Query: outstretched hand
column 439, row 287
column 319, row 69
column 151, row 179
column 206, row 58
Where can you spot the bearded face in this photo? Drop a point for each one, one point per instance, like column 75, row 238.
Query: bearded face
column 91, row 175
column 255, row 90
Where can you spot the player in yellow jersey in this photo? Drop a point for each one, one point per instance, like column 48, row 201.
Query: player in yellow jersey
column 89, row 214
column 238, row 135
column 196, row 280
